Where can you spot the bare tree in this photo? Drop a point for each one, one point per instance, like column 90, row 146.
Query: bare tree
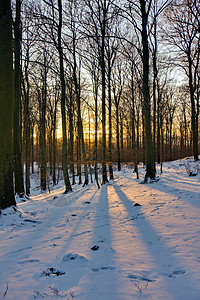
column 98, row 14
column 117, row 87
column 63, row 97
column 184, row 35
column 6, row 101
column 18, row 170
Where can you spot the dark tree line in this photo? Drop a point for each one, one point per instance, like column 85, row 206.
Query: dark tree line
column 94, row 83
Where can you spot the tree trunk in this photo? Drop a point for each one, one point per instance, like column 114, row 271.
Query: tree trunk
column 95, row 84
column 89, row 150
column 32, row 148
column 63, row 113
column 136, row 145
column 27, row 155
column 26, row 135
column 117, row 134
column 71, row 133
column 155, row 73
column 150, row 159
column 162, row 146
column 78, row 159
column 54, row 143
column 143, row 140
column 18, row 169
column 158, row 127
column 80, row 123
column 110, row 119
column 43, row 130
column 170, row 138
column 185, row 133
column 103, row 74
column 121, row 131
column 193, row 113
column 7, row 197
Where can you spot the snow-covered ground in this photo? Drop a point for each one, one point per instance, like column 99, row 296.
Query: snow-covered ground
column 97, row 244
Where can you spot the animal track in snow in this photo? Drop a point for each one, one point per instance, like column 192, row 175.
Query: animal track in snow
column 28, row 261
column 174, row 274
column 103, row 268
column 132, row 276
column 20, row 250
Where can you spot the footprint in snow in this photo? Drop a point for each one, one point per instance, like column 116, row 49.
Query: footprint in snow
column 20, row 250
column 132, row 276
column 12, row 237
column 62, row 225
column 174, row 274
column 28, row 261
column 32, row 221
column 103, row 268
column 56, row 238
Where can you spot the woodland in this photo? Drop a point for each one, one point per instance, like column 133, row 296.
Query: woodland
column 85, row 84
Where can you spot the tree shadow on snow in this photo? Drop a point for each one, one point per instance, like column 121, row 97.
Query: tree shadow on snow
column 159, row 252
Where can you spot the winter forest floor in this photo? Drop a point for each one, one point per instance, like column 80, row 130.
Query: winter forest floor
column 97, row 244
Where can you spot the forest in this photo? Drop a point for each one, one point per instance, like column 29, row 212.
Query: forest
column 88, row 84
column 99, row 149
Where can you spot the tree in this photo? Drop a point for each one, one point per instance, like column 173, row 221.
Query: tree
column 134, row 12
column 150, row 159
column 171, row 106
column 117, row 87
column 94, row 70
column 184, row 35
column 71, row 112
column 26, row 132
column 18, row 170
column 141, row 12
column 112, row 45
column 98, row 16
column 44, row 73
column 63, row 96
column 7, row 197
column 78, row 89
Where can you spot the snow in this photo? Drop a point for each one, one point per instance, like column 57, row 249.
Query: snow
column 95, row 244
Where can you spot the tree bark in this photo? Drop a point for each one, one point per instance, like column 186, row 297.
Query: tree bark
column 110, row 117
column 54, row 142
column 18, row 169
column 27, row 126
column 7, row 197
column 63, row 113
column 117, row 134
column 121, row 132
column 158, row 126
column 89, row 150
column 150, row 159
column 71, row 131
column 103, row 73
column 95, row 91
column 193, row 112
column 43, row 167
column 32, row 148
column 80, row 123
